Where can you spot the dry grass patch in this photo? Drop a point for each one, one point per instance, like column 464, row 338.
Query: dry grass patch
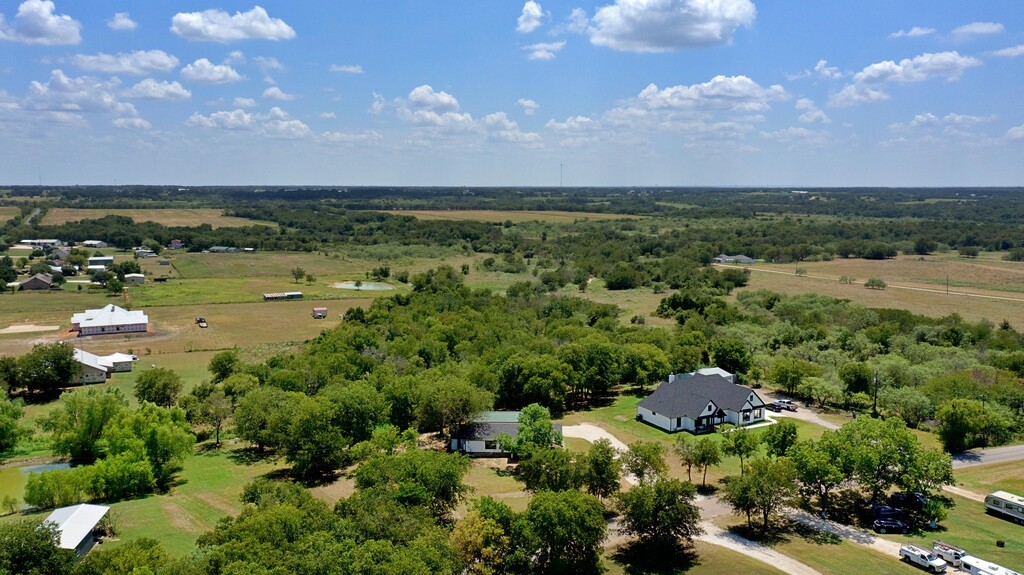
column 8, row 212
column 514, row 216
column 170, row 217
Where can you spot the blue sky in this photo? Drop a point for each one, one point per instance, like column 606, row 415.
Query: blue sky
column 475, row 92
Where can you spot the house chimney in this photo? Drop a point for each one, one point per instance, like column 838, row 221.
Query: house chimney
column 671, row 377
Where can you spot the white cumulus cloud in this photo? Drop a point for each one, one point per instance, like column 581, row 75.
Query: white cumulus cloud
column 275, row 93
column 150, row 89
column 131, row 123
column 914, row 32
column 347, row 68
column 244, row 103
column 530, row 19
column 543, row 50
column 84, row 94
column 1011, row 52
column 866, row 86
column 224, row 120
column 666, row 25
column 529, row 106
column 218, row 26
column 135, row 63
column 811, row 112
column 1016, row 133
column 500, row 128
column 738, row 93
column 572, row 124
column 206, row 72
column 425, row 97
column 968, row 31
column 121, row 21
column 36, row 23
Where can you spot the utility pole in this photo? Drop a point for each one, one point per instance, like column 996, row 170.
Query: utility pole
column 560, row 167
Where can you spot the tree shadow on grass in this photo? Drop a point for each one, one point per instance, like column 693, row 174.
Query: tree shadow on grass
column 640, row 558
column 250, row 456
column 776, row 534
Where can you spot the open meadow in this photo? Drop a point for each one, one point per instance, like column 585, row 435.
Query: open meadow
column 171, row 217
column 514, row 216
column 8, row 212
column 981, row 288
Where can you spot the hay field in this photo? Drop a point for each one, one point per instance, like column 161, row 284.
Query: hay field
column 338, row 266
column 166, row 216
column 8, row 212
column 985, row 288
column 515, row 216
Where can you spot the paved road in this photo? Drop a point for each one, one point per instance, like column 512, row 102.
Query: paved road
column 804, row 414
column 853, row 534
column 990, row 455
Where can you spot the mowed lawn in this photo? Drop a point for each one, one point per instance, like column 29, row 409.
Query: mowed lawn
column 514, row 216
column 984, row 479
column 171, row 217
column 706, row 559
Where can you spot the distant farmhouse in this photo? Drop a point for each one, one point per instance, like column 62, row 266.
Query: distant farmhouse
column 76, row 526
column 737, row 259
column 223, row 250
column 480, row 436
column 109, row 319
column 97, row 369
column 699, row 401
column 101, row 261
column 134, row 279
column 145, row 253
column 94, row 244
column 36, row 282
column 175, row 245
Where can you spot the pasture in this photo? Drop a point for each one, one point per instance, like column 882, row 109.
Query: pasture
column 8, row 212
column 982, row 288
column 984, row 479
column 514, row 216
column 167, row 216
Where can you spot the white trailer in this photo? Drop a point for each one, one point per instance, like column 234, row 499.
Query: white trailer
column 923, row 558
column 949, row 553
column 976, row 566
column 1006, row 504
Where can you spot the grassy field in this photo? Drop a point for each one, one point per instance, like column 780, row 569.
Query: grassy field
column 641, row 301
column 969, row 527
column 980, row 288
column 985, row 479
column 209, row 486
column 169, row 217
column 487, row 477
column 515, row 216
column 8, row 212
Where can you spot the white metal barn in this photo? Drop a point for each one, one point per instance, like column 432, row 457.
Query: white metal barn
column 76, row 526
column 109, row 319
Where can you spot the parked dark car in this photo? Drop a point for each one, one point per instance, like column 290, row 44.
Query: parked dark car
column 886, row 512
column 908, row 501
column 781, row 404
column 890, row 526
column 773, row 407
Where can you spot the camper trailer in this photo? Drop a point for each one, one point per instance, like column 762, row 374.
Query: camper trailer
column 1006, row 504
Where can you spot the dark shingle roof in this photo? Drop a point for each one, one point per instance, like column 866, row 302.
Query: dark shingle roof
column 688, row 397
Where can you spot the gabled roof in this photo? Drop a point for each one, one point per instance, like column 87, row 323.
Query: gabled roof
column 75, row 523
column 46, row 278
column 85, row 358
column 674, row 400
column 687, row 397
column 108, row 316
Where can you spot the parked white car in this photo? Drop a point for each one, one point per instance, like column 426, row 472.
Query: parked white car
column 923, row 558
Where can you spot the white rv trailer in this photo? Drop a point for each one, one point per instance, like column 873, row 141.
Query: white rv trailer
column 1006, row 504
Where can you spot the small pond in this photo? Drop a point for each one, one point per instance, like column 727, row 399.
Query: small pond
column 368, row 286
column 13, row 479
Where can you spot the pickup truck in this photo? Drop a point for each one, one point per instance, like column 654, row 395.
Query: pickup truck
column 949, row 553
column 201, row 322
column 923, row 558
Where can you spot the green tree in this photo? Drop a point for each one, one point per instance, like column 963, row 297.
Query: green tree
column 662, row 513
column 529, row 378
column 298, row 273
column 687, row 452
column 822, row 466
column 535, row 432
column 115, row 287
column 449, row 400
column 49, row 366
column 26, row 548
column 595, row 365
column 780, row 437
column 481, row 543
column 568, row 527
column 223, row 364
column 886, row 453
column 875, row 283
column 159, row 386
column 706, row 453
column 731, row 355
column 770, row 486
column 78, row 423
column 550, row 470
column 907, row 403
column 857, row 377
column 643, row 364
column 601, row 469
column 263, row 417
column 645, row 460
column 789, row 373
column 161, row 436
column 741, row 443
column 10, row 431
column 358, row 409
column 967, row 423
column 134, row 557
column 216, row 409
column 431, row 478
column 314, row 446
